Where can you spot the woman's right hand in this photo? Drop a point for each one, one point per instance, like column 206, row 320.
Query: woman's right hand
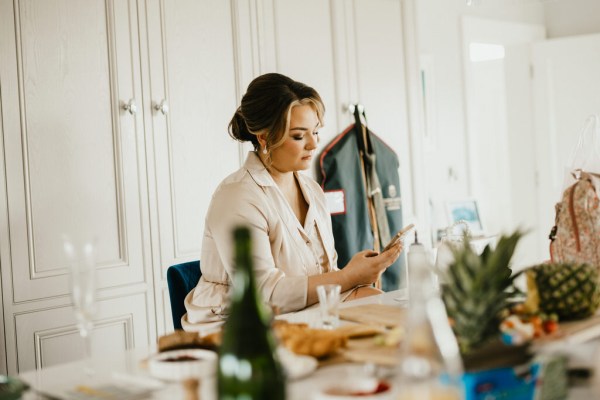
column 366, row 266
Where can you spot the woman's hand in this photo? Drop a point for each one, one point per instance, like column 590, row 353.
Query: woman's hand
column 366, row 266
column 363, row 269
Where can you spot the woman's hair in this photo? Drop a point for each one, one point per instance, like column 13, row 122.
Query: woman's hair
column 266, row 109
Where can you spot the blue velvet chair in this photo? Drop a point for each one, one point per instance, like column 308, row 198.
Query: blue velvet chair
column 181, row 279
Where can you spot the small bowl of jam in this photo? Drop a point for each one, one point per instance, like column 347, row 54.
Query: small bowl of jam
column 178, row 365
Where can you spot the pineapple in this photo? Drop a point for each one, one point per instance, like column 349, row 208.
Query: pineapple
column 569, row 290
column 478, row 288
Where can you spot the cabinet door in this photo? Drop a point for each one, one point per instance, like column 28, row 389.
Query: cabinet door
column 304, row 51
column 192, row 68
column 190, row 48
column 74, row 158
column 381, row 72
column 566, row 85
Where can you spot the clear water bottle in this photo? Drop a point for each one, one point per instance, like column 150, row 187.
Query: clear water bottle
column 431, row 366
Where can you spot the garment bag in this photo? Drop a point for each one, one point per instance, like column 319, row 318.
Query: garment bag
column 360, row 177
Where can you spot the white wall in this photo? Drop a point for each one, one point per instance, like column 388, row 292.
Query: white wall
column 572, row 17
column 439, row 37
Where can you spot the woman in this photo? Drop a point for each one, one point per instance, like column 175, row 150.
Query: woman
column 293, row 246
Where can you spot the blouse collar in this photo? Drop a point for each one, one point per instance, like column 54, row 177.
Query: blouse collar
column 257, row 170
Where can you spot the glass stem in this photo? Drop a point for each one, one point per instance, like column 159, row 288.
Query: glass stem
column 87, row 344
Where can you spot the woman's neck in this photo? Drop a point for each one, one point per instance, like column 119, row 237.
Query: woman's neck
column 283, row 179
column 290, row 187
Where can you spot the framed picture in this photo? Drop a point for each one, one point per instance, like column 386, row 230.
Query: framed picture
column 465, row 210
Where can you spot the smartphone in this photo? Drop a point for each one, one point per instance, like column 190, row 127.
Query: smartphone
column 398, row 236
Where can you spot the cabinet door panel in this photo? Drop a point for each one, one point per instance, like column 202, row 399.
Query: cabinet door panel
column 193, row 151
column 50, row 337
column 380, row 67
column 72, row 153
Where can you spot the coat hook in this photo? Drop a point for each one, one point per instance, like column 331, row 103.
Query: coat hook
column 350, row 107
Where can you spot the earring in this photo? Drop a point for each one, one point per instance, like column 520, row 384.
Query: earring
column 265, row 151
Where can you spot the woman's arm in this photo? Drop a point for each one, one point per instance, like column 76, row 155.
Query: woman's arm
column 363, row 269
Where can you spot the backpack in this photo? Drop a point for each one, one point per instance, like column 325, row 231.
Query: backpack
column 575, row 237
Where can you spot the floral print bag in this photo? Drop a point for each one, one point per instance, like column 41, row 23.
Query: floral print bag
column 575, row 237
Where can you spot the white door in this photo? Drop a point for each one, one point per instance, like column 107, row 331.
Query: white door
column 567, row 91
column 500, row 137
column 75, row 165
column 192, row 69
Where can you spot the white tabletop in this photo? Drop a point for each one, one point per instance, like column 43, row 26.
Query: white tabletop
column 126, row 367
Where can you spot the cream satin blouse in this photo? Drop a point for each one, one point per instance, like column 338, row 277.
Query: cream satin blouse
column 285, row 253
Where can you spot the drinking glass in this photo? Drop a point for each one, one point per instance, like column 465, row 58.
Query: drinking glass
column 329, row 301
column 82, row 273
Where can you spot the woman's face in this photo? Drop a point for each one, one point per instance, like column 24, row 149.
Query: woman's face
column 297, row 150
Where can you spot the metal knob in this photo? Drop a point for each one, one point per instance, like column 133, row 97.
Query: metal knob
column 163, row 107
column 130, row 107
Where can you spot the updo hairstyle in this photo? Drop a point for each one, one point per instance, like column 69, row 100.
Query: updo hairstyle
column 266, row 109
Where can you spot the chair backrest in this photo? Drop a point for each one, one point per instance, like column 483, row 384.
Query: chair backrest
column 181, row 279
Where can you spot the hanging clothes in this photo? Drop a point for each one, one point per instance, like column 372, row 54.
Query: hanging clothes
column 359, row 175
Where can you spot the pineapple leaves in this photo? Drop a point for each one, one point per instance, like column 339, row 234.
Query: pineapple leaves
column 479, row 287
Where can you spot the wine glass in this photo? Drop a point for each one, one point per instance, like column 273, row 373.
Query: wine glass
column 82, row 268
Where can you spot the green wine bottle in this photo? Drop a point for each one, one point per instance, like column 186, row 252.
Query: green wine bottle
column 248, row 368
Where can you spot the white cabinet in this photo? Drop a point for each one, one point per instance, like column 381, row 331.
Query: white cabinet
column 74, row 165
column 76, row 162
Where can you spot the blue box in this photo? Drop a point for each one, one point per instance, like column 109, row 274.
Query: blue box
column 514, row 383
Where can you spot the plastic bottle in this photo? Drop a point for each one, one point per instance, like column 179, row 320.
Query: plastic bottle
column 430, row 367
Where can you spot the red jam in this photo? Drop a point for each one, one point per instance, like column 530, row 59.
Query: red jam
column 180, row 358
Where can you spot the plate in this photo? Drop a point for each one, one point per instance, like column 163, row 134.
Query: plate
column 296, row 366
column 362, row 388
column 178, row 365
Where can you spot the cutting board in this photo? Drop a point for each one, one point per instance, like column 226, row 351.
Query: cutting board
column 366, row 351
column 374, row 314
column 573, row 332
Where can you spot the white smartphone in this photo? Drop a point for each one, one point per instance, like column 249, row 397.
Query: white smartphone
column 398, row 236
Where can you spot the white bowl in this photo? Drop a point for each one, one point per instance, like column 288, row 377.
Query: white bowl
column 296, row 366
column 356, row 389
column 177, row 365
